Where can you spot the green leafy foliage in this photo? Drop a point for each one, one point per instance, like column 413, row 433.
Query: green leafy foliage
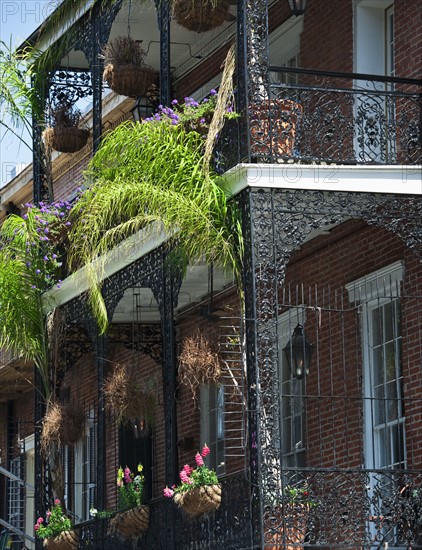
column 130, row 487
column 298, row 495
column 153, row 172
column 54, row 524
column 18, row 98
column 30, row 261
column 192, row 478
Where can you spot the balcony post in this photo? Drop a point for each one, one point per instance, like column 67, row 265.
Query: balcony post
column 252, row 64
column 164, row 16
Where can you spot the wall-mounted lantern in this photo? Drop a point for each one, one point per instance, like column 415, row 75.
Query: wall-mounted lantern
column 298, row 353
column 297, row 7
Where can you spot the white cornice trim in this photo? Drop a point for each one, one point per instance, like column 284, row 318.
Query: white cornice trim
column 359, row 179
column 124, row 254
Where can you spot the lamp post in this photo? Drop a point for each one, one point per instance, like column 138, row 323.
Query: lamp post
column 297, row 7
column 298, row 353
column 141, row 109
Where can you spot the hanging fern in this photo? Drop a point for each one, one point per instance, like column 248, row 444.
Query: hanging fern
column 153, row 172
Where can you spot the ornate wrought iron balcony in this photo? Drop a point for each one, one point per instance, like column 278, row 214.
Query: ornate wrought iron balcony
column 326, row 117
column 341, row 509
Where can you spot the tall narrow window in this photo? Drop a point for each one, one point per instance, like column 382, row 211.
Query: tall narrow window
column 384, row 385
column 379, row 296
column 85, row 472
column 292, row 393
column 384, row 427
column 375, row 138
column 212, row 425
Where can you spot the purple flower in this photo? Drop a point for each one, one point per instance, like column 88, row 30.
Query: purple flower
column 38, row 271
column 174, row 102
column 213, row 92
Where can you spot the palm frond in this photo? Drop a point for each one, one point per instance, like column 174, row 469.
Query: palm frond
column 154, row 172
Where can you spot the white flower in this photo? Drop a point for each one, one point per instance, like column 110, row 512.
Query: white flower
column 93, row 512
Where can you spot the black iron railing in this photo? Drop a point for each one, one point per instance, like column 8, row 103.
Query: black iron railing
column 228, row 528
column 340, row 509
column 314, row 116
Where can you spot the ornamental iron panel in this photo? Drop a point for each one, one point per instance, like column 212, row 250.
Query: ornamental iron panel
column 340, row 444
column 325, row 117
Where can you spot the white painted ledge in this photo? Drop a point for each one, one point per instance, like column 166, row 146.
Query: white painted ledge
column 123, row 255
column 369, row 179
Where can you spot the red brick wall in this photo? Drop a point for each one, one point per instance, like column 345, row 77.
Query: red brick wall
column 334, row 410
column 327, row 37
column 408, row 38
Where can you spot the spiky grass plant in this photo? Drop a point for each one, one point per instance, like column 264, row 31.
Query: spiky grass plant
column 153, row 172
column 22, row 324
column 29, row 263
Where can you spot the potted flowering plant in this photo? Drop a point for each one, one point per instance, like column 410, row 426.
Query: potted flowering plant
column 286, row 519
column 134, row 520
column 56, row 530
column 199, row 491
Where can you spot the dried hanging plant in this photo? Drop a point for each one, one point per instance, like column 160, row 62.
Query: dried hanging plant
column 199, row 361
column 62, row 425
column 129, row 396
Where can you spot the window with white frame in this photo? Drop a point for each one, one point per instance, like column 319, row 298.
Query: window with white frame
column 374, row 54
column 285, row 50
column 292, row 395
column 379, row 295
column 85, row 471
column 212, row 425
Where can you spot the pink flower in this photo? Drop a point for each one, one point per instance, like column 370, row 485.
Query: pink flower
column 188, row 469
column 57, row 501
column 36, row 527
column 199, row 460
column 40, row 520
column 168, row 492
column 184, row 477
column 48, row 514
column 205, row 451
column 128, row 479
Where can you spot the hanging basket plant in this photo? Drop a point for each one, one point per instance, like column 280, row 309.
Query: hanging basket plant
column 130, row 397
column 67, row 540
column 199, row 361
column 201, row 15
column 62, row 425
column 125, row 69
column 201, row 500
column 64, row 134
column 131, row 523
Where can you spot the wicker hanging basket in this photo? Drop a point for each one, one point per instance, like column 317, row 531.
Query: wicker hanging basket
column 201, row 500
column 200, row 15
column 67, row 540
column 65, row 139
column 129, row 80
column 131, row 523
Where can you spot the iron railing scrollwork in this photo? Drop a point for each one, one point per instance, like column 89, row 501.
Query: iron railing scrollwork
column 325, row 117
